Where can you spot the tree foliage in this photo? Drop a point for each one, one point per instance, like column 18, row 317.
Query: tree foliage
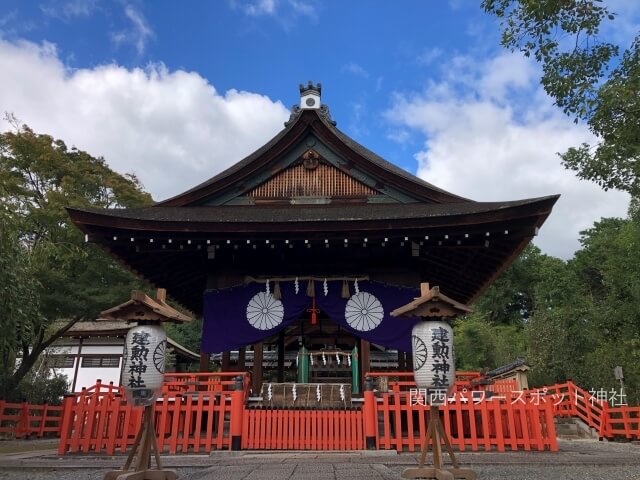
column 587, row 77
column 48, row 272
column 575, row 319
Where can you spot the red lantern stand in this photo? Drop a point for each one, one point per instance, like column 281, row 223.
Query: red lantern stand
column 144, row 310
column 433, row 304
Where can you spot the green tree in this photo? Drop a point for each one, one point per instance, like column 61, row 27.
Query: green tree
column 48, row 272
column 587, row 77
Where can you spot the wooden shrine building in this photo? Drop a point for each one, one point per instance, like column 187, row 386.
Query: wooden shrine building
column 307, row 245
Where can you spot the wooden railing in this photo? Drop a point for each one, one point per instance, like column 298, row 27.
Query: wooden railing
column 105, row 423
column 465, row 381
column 25, row 419
column 200, row 412
column 282, row 429
column 569, row 400
column 495, row 423
column 203, row 382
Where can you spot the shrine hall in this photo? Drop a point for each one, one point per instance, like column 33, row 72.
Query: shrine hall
column 296, row 255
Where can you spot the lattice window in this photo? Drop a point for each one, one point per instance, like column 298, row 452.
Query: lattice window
column 106, row 361
column 321, row 181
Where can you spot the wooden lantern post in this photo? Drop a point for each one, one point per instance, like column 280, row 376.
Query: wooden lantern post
column 148, row 313
column 433, row 305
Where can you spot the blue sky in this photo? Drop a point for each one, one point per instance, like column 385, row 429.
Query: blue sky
column 177, row 91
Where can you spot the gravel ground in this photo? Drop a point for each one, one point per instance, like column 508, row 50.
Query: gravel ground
column 583, row 460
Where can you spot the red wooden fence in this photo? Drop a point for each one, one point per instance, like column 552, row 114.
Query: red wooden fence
column 267, row 429
column 25, row 419
column 101, row 420
column 202, row 412
column 401, row 423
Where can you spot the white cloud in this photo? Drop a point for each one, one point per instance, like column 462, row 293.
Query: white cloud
column 138, row 34
column 171, row 128
column 355, row 69
column 69, row 9
column 283, row 11
column 499, row 141
column 429, row 55
column 260, row 7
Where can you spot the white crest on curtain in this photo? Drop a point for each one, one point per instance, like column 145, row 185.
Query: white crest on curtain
column 363, row 312
column 264, row 312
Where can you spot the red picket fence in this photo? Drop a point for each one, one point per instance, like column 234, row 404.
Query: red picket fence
column 203, row 382
column 200, row 412
column 25, row 419
column 281, row 429
column 465, row 381
column 569, row 400
column 100, row 420
column 497, row 423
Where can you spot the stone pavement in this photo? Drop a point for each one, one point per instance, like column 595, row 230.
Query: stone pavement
column 584, row 460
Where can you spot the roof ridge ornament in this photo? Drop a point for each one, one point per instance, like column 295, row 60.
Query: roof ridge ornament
column 310, row 96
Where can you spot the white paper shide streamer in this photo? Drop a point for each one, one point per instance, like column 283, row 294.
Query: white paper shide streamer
column 143, row 363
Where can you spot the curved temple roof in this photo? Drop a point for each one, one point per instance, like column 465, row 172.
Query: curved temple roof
column 390, row 221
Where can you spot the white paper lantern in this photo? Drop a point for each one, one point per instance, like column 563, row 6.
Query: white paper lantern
column 143, row 363
column 433, row 358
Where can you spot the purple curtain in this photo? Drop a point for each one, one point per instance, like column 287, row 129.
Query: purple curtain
column 229, row 313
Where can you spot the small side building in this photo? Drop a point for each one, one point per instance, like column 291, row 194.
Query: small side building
column 93, row 350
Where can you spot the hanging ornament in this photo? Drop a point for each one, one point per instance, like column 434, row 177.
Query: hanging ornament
column 298, row 360
column 318, row 394
column 313, row 311
column 310, row 288
column 325, row 287
column 268, row 290
column 324, row 360
column 355, row 286
column 296, row 286
column 342, row 392
column 269, row 392
column 349, row 360
column 311, row 360
column 277, row 294
column 143, row 363
column 338, row 358
column 345, row 290
column 294, row 393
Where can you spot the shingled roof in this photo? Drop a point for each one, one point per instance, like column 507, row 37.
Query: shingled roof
column 388, row 220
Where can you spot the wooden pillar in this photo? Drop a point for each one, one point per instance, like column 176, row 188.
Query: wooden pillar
column 242, row 359
column 281, row 357
column 226, row 361
column 256, row 381
column 204, row 362
column 365, row 362
column 401, row 362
